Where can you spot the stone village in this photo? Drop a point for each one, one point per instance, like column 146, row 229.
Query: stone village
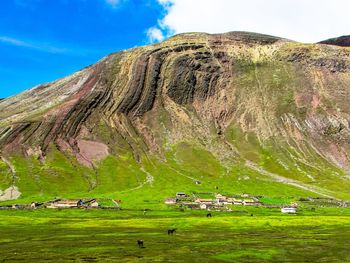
column 221, row 202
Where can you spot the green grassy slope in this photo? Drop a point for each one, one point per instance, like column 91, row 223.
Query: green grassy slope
column 148, row 183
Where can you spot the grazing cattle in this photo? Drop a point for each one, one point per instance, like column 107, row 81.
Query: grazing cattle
column 140, row 243
column 171, row 231
column 209, row 215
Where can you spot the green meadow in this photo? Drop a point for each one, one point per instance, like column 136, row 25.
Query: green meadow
column 319, row 232
column 78, row 235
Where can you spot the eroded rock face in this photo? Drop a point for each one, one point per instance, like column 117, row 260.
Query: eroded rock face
column 192, row 87
column 11, row 193
column 91, row 152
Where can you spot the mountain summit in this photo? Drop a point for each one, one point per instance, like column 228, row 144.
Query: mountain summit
column 243, row 111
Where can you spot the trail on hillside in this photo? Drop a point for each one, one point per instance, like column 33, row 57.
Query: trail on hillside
column 284, row 180
column 149, row 180
column 182, row 174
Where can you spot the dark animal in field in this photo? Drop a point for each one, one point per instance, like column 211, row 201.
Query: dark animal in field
column 209, row 215
column 140, row 243
column 251, row 215
column 171, row 231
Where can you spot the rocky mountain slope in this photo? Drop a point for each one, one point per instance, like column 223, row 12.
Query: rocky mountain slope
column 343, row 41
column 245, row 111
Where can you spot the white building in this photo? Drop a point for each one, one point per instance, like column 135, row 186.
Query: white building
column 65, row 204
column 94, row 204
column 288, row 210
column 170, row 201
column 203, row 206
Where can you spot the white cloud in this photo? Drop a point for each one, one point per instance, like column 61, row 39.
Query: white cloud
column 113, row 3
column 40, row 47
column 301, row 20
column 154, row 34
column 14, row 41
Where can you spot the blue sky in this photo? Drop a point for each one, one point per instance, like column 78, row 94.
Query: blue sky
column 42, row 40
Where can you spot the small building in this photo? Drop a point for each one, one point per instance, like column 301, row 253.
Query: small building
column 204, row 201
column 34, row 205
column 66, row 204
column 170, row 201
column 220, row 198
column 91, row 203
column 345, row 204
column 203, row 206
column 288, row 210
column 237, row 201
column 181, row 194
column 251, row 202
column 94, row 204
column 228, row 201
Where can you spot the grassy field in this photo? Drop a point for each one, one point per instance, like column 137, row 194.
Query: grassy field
column 110, row 236
column 318, row 233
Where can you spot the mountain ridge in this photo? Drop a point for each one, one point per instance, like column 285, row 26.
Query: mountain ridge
column 343, row 41
column 239, row 99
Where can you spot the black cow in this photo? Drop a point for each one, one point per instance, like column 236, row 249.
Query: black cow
column 140, row 243
column 171, row 231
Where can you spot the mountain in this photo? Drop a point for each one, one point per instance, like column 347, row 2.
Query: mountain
column 239, row 112
column 343, row 41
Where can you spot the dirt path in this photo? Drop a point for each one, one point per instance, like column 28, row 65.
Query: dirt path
column 149, row 180
column 284, row 180
column 180, row 173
